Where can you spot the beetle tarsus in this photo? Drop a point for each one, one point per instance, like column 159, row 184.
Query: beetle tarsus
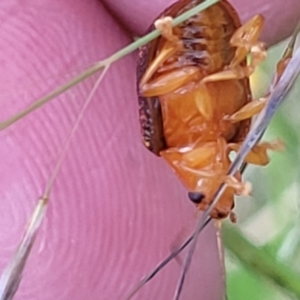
column 165, row 26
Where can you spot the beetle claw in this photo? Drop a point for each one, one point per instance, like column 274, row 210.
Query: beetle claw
column 165, row 26
column 241, row 188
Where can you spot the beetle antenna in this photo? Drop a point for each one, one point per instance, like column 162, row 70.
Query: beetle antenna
column 164, row 262
column 277, row 95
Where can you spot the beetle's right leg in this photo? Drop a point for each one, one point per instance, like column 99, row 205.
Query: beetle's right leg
column 240, row 188
column 254, row 107
column 258, row 154
column 246, row 41
column 165, row 26
column 248, row 111
column 172, row 45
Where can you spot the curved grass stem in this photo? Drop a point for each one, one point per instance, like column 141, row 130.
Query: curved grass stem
column 98, row 66
column 276, row 97
column 260, row 261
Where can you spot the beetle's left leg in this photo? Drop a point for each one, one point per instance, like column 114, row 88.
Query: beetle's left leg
column 171, row 46
column 287, row 55
column 258, row 155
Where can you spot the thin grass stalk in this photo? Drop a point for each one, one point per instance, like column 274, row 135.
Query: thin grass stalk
column 260, row 261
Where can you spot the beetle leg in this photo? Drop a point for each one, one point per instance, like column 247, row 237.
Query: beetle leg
column 258, row 54
column 246, row 41
column 167, row 51
column 258, row 155
column 169, row 82
column 254, row 107
column 171, row 46
column 248, row 111
column 240, row 188
column 165, row 26
column 205, row 102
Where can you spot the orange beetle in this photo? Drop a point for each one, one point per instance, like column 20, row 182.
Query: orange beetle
column 195, row 100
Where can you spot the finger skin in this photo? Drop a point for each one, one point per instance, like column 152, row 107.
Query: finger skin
column 115, row 208
column 281, row 15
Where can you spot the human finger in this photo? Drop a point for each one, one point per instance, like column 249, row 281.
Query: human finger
column 114, row 208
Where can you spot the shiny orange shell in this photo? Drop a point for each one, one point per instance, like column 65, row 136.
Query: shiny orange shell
column 171, row 122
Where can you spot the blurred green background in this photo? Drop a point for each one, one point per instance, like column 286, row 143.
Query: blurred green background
column 269, row 266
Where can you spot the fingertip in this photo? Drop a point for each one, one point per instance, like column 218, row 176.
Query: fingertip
column 137, row 15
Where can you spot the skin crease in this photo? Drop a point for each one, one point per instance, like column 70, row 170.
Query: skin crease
column 115, row 208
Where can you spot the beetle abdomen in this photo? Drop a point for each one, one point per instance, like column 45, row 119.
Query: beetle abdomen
column 206, row 38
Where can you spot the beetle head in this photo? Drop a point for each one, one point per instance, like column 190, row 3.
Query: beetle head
column 196, row 197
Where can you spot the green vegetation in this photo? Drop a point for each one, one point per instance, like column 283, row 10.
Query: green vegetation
column 267, row 243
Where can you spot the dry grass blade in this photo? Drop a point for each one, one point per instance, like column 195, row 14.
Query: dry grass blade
column 12, row 275
column 276, row 97
column 163, row 263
